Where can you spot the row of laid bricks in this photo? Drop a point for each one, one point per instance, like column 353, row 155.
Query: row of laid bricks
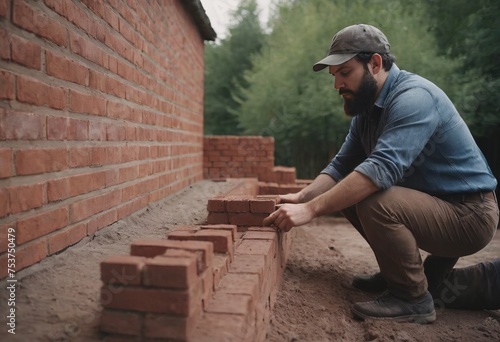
column 240, row 210
column 271, row 188
column 205, row 283
column 190, row 289
column 248, row 210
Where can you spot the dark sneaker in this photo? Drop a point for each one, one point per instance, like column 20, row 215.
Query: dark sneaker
column 373, row 283
column 389, row 307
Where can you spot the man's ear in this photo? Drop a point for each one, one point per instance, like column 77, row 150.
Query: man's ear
column 376, row 63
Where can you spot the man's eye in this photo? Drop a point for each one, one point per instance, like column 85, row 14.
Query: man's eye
column 344, row 73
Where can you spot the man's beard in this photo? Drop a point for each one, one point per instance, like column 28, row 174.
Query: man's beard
column 362, row 99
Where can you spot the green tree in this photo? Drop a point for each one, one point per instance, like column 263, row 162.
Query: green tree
column 225, row 64
column 300, row 108
column 468, row 32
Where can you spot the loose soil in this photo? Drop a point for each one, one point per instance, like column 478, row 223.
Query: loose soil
column 58, row 299
column 315, row 298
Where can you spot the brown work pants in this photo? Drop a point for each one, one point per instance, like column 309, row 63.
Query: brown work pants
column 399, row 221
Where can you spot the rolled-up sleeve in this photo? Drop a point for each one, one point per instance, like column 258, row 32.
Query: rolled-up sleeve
column 349, row 156
column 412, row 119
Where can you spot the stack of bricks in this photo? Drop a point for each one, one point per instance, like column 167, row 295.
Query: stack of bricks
column 204, row 283
column 157, row 291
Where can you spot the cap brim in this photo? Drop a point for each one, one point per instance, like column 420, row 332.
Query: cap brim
column 333, row 60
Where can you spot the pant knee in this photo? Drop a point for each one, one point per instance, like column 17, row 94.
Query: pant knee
column 377, row 205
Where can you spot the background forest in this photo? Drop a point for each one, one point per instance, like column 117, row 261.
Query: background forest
column 260, row 81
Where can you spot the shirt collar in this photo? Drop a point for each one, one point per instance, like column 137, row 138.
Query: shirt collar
column 393, row 74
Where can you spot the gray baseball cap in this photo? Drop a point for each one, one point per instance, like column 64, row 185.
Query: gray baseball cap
column 352, row 40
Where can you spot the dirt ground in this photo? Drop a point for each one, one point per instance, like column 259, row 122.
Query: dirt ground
column 57, row 299
column 314, row 302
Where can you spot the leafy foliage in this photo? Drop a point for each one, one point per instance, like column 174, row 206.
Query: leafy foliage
column 264, row 84
column 225, row 64
column 300, row 108
column 468, row 31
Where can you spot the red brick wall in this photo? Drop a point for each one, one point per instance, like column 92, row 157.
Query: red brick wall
column 101, row 112
column 238, row 156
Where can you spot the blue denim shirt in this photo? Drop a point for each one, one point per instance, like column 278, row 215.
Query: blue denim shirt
column 415, row 138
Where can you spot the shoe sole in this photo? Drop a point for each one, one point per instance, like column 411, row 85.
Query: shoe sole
column 420, row 319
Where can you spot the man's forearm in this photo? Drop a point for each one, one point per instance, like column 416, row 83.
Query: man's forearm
column 353, row 189
column 320, row 185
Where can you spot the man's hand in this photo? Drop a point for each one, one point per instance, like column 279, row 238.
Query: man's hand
column 289, row 216
column 290, row 198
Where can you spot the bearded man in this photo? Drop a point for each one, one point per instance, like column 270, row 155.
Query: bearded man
column 409, row 176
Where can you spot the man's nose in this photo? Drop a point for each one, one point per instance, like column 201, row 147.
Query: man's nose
column 337, row 84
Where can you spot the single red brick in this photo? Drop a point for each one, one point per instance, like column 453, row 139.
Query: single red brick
column 78, row 130
column 30, row 254
column 170, row 272
column 25, row 197
column 217, row 204
column 121, row 322
column 153, row 300
column 100, row 221
column 263, row 235
column 6, row 160
column 217, row 218
column 243, row 283
column 171, row 327
column 257, row 247
column 34, row 161
column 79, row 157
column 89, row 206
column 229, row 227
column 246, row 219
column 16, row 125
column 66, row 69
column 238, row 204
column 253, row 264
column 7, row 82
column 31, row 90
column 226, row 303
column 152, row 248
column 41, row 224
column 222, row 240
column 261, row 205
column 124, row 270
column 26, row 52
column 222, row 327
column 87, row 103
column 66, row 238
column 57, row 128
column 181, row 253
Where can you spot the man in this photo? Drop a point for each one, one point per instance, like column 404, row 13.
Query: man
column 409, row 175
